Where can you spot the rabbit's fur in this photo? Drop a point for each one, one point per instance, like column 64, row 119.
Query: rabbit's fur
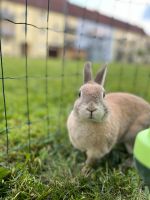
column 98, row 122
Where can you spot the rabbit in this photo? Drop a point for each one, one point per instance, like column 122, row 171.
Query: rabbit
column 99, row 121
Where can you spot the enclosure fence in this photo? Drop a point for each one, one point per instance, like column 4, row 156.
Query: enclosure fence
column 7, row 128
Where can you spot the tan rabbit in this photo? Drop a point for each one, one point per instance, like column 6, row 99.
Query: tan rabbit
column 98, row 121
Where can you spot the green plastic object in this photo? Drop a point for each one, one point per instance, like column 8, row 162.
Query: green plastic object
column 142, row 147
column 142, row 155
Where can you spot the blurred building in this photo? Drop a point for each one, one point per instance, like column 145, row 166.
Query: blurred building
column 84, row 33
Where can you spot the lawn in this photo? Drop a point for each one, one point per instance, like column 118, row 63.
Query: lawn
column 52, row 168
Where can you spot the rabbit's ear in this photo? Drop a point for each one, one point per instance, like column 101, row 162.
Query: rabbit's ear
column 101, row 75
column 87, row 72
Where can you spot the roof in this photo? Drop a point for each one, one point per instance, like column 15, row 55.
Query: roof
column 74, row 10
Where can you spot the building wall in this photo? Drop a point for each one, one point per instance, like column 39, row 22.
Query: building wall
column 128, row 45
column 36, row 38
column 71, row 26
column 96, row 39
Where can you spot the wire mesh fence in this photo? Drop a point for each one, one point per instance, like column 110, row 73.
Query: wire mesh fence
column 38, row 93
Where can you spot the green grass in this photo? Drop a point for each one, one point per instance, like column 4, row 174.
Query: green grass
column 52, row 170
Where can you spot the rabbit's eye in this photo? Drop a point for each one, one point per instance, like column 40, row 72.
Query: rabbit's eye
column 104, row 94
column 79, row 93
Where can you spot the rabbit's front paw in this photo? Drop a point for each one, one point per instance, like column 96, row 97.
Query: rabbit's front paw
column 88, row 166
column 86, row 170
